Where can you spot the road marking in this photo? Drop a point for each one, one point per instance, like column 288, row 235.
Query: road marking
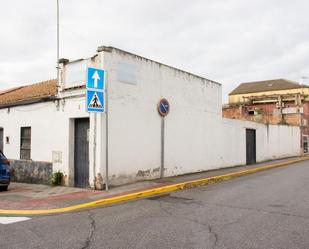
column 10, row 220
column 153, row 191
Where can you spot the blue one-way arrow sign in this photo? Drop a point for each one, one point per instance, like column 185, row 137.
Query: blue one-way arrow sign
column 95, row 78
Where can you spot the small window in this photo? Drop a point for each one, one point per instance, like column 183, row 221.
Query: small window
column 251, row 112
column 25, row 143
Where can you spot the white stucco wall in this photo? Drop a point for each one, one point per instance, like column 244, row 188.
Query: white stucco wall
column 135, row 125
column 197, row 138
column 272, row 141
column 50, row 130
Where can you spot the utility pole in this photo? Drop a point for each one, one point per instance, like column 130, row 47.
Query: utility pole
column 58, row 42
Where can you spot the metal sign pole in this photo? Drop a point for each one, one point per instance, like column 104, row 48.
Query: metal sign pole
column 95, row 103
column 162, row 148
column 94, row 149
column 106, row 135
column 163, row 109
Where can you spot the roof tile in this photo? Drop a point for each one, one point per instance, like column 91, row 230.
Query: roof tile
column 264, row 86
column 39, row 90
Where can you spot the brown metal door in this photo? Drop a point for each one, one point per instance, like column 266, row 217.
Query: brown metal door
column 81, row 153
column 250, row 146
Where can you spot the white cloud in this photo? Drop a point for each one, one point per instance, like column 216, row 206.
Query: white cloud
column 229, row 41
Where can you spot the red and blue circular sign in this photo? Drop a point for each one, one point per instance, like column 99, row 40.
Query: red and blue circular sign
column 163, row 107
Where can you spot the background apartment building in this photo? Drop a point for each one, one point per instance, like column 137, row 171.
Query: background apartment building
column 277, row 101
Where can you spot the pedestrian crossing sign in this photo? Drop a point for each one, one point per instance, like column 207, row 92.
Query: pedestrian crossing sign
column 95, row 101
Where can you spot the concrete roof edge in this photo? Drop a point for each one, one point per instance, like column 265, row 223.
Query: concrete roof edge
column 110, row 49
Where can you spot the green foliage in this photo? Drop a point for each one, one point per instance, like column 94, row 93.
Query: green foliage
column 56, row 178
column 259, row 111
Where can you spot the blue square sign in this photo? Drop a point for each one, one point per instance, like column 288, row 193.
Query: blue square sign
column 95, row 78
column 95, row 101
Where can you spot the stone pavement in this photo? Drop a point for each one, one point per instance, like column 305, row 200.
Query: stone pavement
column 34, row 196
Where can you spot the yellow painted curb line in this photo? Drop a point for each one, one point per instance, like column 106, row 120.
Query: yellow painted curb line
column 152, row 192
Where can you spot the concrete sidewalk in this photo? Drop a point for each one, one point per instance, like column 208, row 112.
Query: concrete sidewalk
column 38, row 197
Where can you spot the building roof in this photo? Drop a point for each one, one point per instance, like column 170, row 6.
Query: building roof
column 8, row 90
column 110, row 48
column 266, row 85
column 29, row 93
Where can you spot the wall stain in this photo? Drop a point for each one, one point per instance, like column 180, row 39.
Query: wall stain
column 156, row 170
column 143, row 173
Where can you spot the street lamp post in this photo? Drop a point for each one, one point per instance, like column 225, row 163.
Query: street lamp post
column 58, row 42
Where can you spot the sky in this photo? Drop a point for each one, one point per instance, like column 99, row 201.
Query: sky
column 228, row 41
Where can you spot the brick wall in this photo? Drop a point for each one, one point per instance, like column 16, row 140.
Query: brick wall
column 265, row 113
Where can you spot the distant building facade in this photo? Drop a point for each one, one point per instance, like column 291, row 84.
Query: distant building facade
column 277, row 101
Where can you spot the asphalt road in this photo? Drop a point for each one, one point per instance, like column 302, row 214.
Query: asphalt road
column 264, row 210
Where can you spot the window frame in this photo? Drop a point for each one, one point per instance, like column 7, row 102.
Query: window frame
column 23, row 138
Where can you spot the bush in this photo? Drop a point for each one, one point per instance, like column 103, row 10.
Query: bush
column 56, row 178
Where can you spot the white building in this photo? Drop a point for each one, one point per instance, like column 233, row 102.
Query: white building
column 46, row 128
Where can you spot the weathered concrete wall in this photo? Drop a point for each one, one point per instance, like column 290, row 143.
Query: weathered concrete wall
column 52, row 131
column 31, row 171
column 196, row 136
column 135, row 87
column 272, row 141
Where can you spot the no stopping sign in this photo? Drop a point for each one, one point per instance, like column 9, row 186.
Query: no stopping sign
column 163, row 107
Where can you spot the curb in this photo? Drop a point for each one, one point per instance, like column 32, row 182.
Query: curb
column 152, row 192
